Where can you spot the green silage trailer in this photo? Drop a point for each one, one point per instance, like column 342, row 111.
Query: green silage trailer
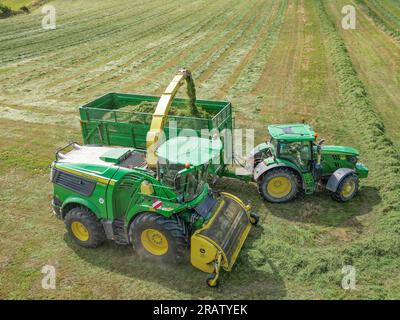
column 104, row 120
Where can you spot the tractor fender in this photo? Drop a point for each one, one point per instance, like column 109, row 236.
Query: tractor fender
column 79, row 201
column 337, row 177
column 261, row 168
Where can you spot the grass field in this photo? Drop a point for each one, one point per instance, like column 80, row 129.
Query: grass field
column 276, row 60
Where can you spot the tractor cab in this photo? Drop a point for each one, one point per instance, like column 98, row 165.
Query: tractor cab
column 294, row 143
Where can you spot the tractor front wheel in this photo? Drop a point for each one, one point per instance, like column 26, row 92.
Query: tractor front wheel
column 347, row 189
column 84, row 227
column 279, row 185
column 159, row 239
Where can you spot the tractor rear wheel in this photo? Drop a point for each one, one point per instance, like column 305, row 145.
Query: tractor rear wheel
column 279, row 185
column 84, row 227
column 347, row 189
column 159, row 239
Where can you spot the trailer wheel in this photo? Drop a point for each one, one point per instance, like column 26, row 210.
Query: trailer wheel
column 347, row 188
column 84, row 227
column 279, row 185
column 159, row 239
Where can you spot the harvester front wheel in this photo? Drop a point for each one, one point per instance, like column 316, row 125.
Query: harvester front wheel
column 347, row 189
column 254, row 218
column 159, row 239
column 279, row 185
column 84, row 227
column 213, row 281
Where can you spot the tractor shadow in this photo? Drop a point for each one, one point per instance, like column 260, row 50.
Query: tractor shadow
column 318, row 208
column 321, row 209
column 244, row 282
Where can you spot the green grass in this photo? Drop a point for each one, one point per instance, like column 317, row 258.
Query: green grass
column 16, row 4
column 292, row 61
column 385, row 14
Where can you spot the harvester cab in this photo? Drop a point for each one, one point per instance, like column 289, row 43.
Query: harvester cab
column 293, row 160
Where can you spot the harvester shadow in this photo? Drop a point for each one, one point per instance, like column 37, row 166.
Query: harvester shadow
column 244, row 282
column 321, row 209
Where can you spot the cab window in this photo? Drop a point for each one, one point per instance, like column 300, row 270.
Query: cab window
column 298, row 152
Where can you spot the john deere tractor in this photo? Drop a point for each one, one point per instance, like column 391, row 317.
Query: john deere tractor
column 111, row 193
column 294, row 161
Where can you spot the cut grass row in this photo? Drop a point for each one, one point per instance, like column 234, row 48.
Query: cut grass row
column 382, row 16
column 126, row 65
column 226, row 58
column 377, row 147
column 235, row 73
column 250, row 74
column 375, row 56
column 84, row 72
column 172, row 57
column 197, row 55
column 225, row 74
column 188, row 38
column 79, row 33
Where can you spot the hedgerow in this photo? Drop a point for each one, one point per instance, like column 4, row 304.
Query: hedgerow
column 5, row 11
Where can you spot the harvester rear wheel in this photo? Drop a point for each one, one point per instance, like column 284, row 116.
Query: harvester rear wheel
column 84, row 227
column 347, row 189
column 279, row 185
column 159, row 239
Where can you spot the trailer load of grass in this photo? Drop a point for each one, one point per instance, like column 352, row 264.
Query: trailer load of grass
column 190, row 110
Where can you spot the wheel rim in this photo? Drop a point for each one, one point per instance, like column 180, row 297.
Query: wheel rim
column 154, row 242
column 348, row 188
column 80, row 231
column 279, row 187
column 212, row 282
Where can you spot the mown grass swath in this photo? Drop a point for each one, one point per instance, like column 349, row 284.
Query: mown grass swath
column 226, row 59
column 252, row 72
column 382, row 16
column 385, row 243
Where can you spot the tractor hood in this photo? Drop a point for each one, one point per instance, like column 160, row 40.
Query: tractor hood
column 339, row 150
